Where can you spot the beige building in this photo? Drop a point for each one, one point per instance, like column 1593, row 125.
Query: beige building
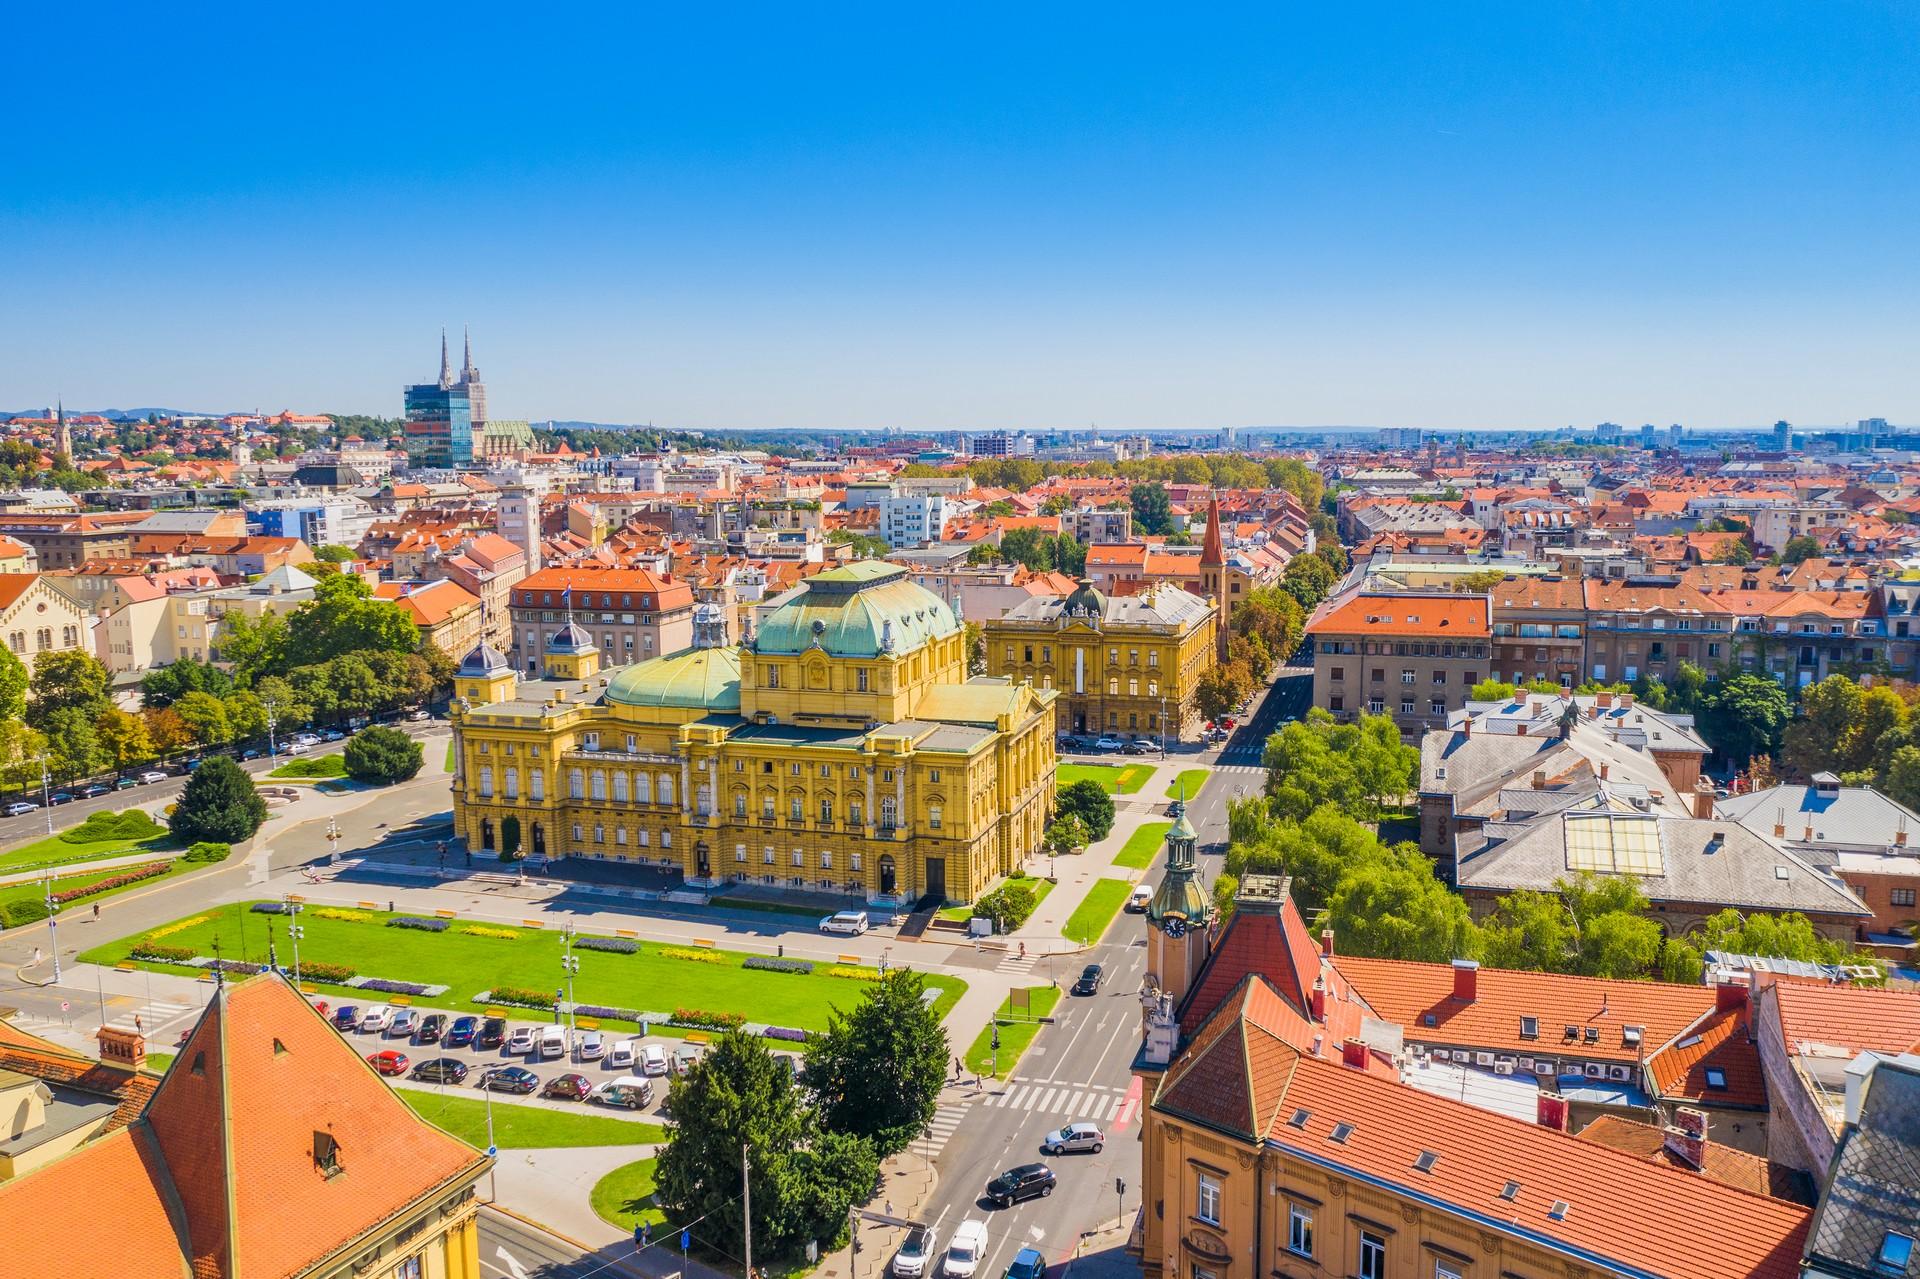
column 36, row 618
column 1407, row 654
column 632, row 614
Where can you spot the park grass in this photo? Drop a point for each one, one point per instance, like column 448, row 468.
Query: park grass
column 1115, row 779
column 55, row 851
column 35, row 889
column 1189, row 783
column 526, row 1127
column 648, row 981
column 303, row 767
column 158, row 1062
column 1016, row 1033
column 1092, row 917
column 624, row 1197
column 1041, row 887
column 1143, row 846
column 449, row 757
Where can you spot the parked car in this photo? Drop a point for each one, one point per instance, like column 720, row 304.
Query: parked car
column 551, row 1043
column 621, row 1055
column 1073, row 1139
column 432, row 1027
column 307, row 739
column 1026, row 1264
column 320, row 1006
column 96, row 790
column 592, row 1046
column 375, row 1018
column 653, row 1059
column 1107, row 745
column 252, row 752
column 1028, row 1181
column 630, row 1091
column 520, row 1042
column 1176, row 807
column 1140, row 899
column 911, row 1261
column 683, row 1058
column 850, row 922
column 403, row 1023
column 515, row 1079
column 1137, row 747
column 965, row 1249
column 297, row 748
column 568, row 1088
column 333, row 735
column 441, row 1070
column 1090, row 978
column 417, row 716
column 151, row 776
column 461, row 1032
column 19, row 809
column 492, row 1033
column 389, row 1062
column 61, row 797
column 346, row 1017
column 126, row 783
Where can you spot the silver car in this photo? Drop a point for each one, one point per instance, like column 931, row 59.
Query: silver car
column 1074, row 1138
column 593, row 1045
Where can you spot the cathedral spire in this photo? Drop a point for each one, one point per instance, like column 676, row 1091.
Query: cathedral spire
column 467, row 372
column 446, row 365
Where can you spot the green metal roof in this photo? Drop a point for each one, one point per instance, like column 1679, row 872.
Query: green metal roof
column 857, row 610
column 699, row 677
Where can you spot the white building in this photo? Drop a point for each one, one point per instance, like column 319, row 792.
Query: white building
column 914, row 519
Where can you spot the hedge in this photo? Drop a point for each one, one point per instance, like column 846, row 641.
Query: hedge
column 777, row 965
column 421, row 922
column 207, row 850
column 111, row 882
column 104, row 825
column 618, row 945
column 24, row 911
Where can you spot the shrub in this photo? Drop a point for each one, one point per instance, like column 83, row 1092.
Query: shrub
column 344, row 915
column 1008, row 906
column 161, row 953
column 25, row 911
column 692, row 956
column 854, row 974
column 271, row 908
column 234, row 966
column 423, row 923
column 384, row 986
column 700, row 1017
column 785, row 1032
column 177, row 926
column 334, row 973
column 111, row 882
column 383, row 756
column 612, row 1013
column 481, row 930
column 777, row 965
column 206, row 851
column 219, row 803
column 616, row 945
column 520, row 996
column 104, row 825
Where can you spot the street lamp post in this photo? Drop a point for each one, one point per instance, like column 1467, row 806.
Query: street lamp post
column 53, row 932
column 46, row 795
column 294, row 934
column 569, row 964
column 333, row 840
column 273, row 752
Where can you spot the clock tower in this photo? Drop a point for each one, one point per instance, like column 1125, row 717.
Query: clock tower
column 1180, row 919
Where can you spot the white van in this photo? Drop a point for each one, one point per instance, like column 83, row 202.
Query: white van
column 1140, row 898
column 964, row 1250
column 552, row 1043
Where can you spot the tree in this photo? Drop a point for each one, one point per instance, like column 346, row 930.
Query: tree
column 983, row 553
column 1152, row 511
column 510, row 838
column 1480, row 582
column 206, row 716
column 1273, row 617
column 1799, row 550
column 1839, row 725
column 70, row 679
column 1744, row 716
column 1315, row 852
column 1491, row 690
column 1361, row 766
column 343, row 618
column 1216, row 692
column 1088, row 801
column 1901, row 781
column 73, row 743
column 877, row 1071
column 1307, row 578
column 254, row 646
column 1736, row 551
column 1396, row 909
column 164, row 685
column 334, row 554
column 21, row 750
column 123, row 738
column 13, row 686
column 1067, row 834
column 167, row 731
column 976, row 643
column 383, row 756
column 281, row 701
column 219, row 803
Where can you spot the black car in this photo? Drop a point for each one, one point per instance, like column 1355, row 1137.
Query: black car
column 62, row 797
column 1028, row 1181
column 96, row 790
column 492, row 1033
column 461, row 1033
column 1090, row 978
column 510, row 1079
column 432, row 1026
column 441, row 1070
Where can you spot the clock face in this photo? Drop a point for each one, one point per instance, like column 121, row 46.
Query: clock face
column 1173, row 926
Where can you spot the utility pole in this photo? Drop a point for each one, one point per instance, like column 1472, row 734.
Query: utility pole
column 273, row 752
column 746, row 1205
column 53, row 932
column 46, row 798
column 569, row 964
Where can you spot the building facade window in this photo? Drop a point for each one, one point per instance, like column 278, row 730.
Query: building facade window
column 1206, row 1198
column 1373, row 1256
column 1300, row 1230
column 486, row 782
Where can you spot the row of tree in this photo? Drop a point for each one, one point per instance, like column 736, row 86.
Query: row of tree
column 1216, row 470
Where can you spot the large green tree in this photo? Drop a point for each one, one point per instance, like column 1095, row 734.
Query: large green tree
column 13, row 686
column 1362, row 766
column 1152, row 510
column 878, row 1070
column 1307, row 578
column 67, row 680
column 1394, row 908
column 1089, row 801
column 219, row 803
column 343, row 617
column 382, row 756
column 1744, row 716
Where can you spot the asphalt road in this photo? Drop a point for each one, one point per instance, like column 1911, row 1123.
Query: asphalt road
column 512, row 1249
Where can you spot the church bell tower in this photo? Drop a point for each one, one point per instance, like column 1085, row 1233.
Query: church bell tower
column 1179, row 919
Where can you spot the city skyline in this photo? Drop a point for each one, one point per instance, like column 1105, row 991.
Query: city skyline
column 1513, row 219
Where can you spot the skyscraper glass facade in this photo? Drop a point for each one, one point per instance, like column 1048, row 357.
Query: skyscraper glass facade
column 439, row 426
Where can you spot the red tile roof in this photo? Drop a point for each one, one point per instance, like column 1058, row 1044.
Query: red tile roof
column 1852, row 1018
column 1718, row 1041
column 1429, row 616
column 1723, row 1164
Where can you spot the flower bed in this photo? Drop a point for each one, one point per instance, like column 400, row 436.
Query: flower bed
column 692, row 956
column 111, row 882
column 272, row 908
column 614, row 945
column 344, row 915
column 777, row 965
column 177, row 926
column 519, row 997
column 423, row 923
column 230, row 966
column 385, row 987
column 333, row 974
column 854, row 974
column 159, row 954
column 785, row 1032
column 500, row 934
column 701, row 1019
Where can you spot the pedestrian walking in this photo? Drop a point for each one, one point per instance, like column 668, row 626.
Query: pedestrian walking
column 139, row 1025
column 96, row 912
column 958, row 1074
column 36, row 958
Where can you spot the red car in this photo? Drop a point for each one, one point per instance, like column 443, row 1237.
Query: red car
column 389, row 1062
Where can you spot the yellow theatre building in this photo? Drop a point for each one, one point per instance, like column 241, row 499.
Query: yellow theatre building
column 841, row 748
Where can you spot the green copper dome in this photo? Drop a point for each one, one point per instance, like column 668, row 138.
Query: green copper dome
column 706, row 678
column 861, row 609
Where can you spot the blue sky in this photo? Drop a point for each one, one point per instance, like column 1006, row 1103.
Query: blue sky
column 1025, row 216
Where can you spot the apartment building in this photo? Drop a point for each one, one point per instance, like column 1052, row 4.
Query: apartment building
column 1636, row 628
column 632, row 614
column 1539, row 629
column 1408, row 654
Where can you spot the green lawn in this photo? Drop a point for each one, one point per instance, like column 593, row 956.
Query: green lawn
column 318, row 766
column 1188, row 783
column 529, row 1127
column 449, row 757
column 1123, row 779
column 35, row 889
column 1092, row 916
column 1016, row 1032
column 648, row 981
column 624, row 1197
column 1041, row 887
column 158, row 1062
column 53, row 850
column 1143, row 846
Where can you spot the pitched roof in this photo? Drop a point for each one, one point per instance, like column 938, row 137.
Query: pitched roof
column 1430, row 616
column 1719, row 1041
column 1723, row 1164
column 1875, row 1180
column 1849, row 1018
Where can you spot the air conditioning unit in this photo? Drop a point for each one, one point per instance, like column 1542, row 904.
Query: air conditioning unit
column 1526, row 1063
column 1545, row 1066
column 1483, row 1059
column 1619, row 1073
column 1595, row 1070
column 1503, row 1068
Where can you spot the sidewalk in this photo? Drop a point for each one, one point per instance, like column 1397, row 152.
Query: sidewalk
column 553, row 1185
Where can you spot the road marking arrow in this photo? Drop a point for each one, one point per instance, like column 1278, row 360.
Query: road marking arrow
column 514, row 1267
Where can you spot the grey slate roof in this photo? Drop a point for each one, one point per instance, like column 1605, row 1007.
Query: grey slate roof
column 1852, row 815
column 1162, row 606
column 1874, row 1184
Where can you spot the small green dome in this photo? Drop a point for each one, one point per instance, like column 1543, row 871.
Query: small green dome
column 861, row 609
column 1086, row 601
column 700, row 678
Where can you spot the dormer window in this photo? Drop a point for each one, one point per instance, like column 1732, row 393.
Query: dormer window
column 1529, row 1028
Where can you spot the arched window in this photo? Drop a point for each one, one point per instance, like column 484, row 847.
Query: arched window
column 643, row 788
column 486, row 782
column 739, row 803
column 620, row 788
column 576, row 784
column 599, row 784
column 666, row 788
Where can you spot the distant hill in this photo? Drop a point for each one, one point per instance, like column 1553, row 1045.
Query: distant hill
column 117, row 415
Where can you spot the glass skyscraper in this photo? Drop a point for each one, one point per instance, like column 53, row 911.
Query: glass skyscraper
column 442, row 418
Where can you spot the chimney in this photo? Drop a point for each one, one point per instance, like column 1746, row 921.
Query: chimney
column 1730, row 995
column 1808, row 837
column 1780, row 823
column 1466, row 726
column 1686, row 1137
column 1626, row 701
column 122, row 1046
column 1604, row 700
column 1900, row 835
column 1550, row 1111
column 1539, row 776
column 1466, row 980
column 1317, row 1000
column 1703, row 800
column 1353, row 1052
column 1520, row 730
column 1605, row 768
column 1326, row 942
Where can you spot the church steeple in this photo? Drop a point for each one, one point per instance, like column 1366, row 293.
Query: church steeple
column 467, row 372
column 1213, row 573
column 446, row 363
column 62, row 433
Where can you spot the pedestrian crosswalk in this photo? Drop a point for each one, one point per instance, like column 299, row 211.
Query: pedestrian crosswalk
column 946, row 1121
column 159, row 1012
column 1074, row 1103
column 1014, row 962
